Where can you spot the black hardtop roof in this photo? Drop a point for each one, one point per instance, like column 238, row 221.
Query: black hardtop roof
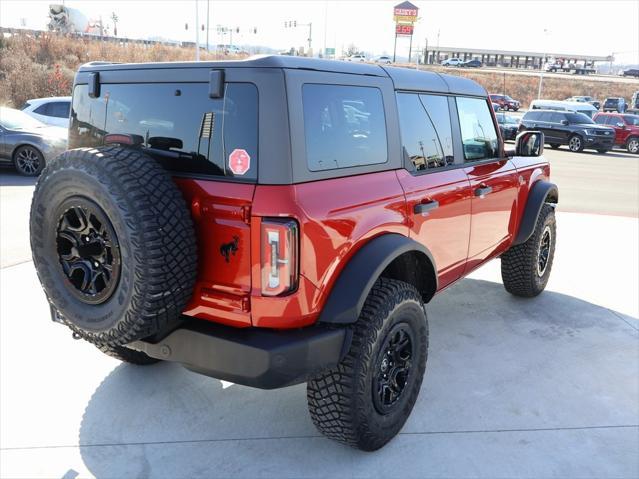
column 403, row 78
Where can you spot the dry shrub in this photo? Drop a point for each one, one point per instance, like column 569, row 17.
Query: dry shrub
column 34, row 67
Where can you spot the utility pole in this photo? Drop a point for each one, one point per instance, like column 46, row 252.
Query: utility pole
column 543, row 65
column 197, row 34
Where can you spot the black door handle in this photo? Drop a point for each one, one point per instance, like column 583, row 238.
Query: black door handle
column 483, row 191
column 423, row 208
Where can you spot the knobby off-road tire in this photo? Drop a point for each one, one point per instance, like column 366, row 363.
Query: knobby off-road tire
column 127, row 355
column 113, row 243
column 345, row 402
column 525, row 268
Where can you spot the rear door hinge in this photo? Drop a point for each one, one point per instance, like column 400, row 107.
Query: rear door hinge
column 246, row 214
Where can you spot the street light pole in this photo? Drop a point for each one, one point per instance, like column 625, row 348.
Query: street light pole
column 543, row 65
column 197, row 34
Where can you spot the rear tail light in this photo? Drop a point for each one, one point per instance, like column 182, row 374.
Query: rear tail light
column 280, row 238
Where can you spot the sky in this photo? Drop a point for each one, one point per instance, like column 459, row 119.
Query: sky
column 597, row 27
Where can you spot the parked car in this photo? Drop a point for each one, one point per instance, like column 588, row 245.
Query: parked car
column 52, row 111
column 452, row 62
column 576, row 130
column 356, row 58
column 633, row 107
column 471, row 64
column 505, row 102
column 585, row 99
column 319, row 245
column 617, row 104
column 631, row 72
column 508, row 125
column 384, row 59
column 626, row 129
column 27, row 143
column 578, row 107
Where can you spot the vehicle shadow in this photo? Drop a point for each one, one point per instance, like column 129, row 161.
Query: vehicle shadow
column 164, row 421
column 12, row 178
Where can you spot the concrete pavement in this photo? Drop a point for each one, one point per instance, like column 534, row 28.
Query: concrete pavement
column 546, row 387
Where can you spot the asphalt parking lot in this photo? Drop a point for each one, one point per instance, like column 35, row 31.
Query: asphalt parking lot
column 547, row 387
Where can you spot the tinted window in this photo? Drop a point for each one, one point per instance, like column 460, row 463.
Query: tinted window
column 531, row 115
column 545, row 116
column 59, row 109
column 479, row 136
column 42, row 109
column 557, row 117
column 437, row 109
column 87, row 119
column 25, row 106
column 578, row 118
column 632, row 119
column 601, row 119
column 184, row 129
column 419, row 137
column 344, row 126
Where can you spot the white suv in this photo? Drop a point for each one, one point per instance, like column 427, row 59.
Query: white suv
column 52, row 111
column 452, row 62
column 356, row 58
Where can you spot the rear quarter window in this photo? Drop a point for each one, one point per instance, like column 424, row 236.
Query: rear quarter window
column 344, row 126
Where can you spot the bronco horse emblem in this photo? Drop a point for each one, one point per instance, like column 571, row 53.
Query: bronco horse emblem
column 229, row 248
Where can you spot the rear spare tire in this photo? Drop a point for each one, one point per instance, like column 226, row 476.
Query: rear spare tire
column 113, row 243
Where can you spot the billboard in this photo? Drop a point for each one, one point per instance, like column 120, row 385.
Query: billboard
column 405, row 12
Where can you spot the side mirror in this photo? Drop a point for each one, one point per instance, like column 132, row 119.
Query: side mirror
column 621, row 125
column 564, row 122
column 529, row 143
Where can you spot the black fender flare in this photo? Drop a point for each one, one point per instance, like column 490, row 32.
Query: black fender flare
column 351, row 289
column 536, row 198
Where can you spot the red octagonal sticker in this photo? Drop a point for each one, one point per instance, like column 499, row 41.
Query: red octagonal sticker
column 239, row 161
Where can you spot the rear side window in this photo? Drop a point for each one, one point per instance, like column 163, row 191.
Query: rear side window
column 25, row 106
column 42, row 109
column 531, row 115
column 479, row 136
column 59, row 109
column 184, row 129
column 419, row 138
column 344, row 126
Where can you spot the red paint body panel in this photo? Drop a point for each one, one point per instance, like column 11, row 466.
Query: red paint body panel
column 336, row 218
column 492, row 214
column 221, row 213
column 445, row 230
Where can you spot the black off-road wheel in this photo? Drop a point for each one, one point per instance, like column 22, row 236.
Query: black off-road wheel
column 525, row 268
column 366, row 399
column 127, row 355
column 113, row 244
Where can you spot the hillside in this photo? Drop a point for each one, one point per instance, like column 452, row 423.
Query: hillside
column 37, row 67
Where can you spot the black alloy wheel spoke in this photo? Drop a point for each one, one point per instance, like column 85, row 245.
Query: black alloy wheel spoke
column 88, row 251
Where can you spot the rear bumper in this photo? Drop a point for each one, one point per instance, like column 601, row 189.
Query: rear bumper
column 260, row 358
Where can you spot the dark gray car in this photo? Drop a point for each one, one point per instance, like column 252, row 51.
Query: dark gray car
column 27, row 143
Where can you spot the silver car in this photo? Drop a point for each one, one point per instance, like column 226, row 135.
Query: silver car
column 27, row 143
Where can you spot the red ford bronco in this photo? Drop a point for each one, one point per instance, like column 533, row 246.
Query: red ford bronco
column 284, row 220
